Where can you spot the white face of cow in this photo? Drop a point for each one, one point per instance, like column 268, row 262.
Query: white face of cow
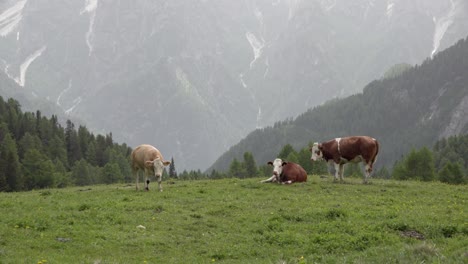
column 158, row 166
column 277, row 167
column 316, row 152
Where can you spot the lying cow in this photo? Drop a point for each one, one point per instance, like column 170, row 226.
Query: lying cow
column 348, row 149
column 286, row 172
column 150, row 160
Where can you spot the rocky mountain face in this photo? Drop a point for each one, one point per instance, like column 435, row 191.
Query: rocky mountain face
column 409, row 108
column 194, row 77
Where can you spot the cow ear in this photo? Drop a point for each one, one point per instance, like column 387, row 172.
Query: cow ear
column 270, row 163
column 284, row 163
column 149, row 163
column 166, row 163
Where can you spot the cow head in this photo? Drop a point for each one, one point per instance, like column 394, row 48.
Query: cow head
column 277, row 167
column 316, row 150
column 158, row 165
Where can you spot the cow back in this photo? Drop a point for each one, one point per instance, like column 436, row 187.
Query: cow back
column 144, row 153
column 293, row 172
column 351, row 147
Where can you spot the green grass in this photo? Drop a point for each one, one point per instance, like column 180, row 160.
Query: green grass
column 238, row 221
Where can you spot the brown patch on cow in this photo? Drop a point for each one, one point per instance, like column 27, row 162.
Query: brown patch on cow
column 293, row 172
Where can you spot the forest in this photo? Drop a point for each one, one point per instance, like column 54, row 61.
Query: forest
column 37, row 152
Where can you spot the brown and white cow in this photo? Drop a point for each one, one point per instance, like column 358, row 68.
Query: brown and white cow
column 149, row 159
column 347, row 149
column 286, row 172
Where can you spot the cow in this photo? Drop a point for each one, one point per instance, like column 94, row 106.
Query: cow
column 286, row 172
column 148, row 159
column 347, row 149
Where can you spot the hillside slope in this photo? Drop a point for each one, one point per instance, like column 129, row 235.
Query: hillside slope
column 416, row 108
column 238, row 221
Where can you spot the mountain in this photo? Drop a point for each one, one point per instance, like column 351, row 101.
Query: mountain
column 195, row 77
column 416, row 108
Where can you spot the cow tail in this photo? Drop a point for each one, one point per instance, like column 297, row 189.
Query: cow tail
column 376, row 150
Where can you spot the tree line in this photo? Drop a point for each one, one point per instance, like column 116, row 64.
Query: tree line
column 446, row 162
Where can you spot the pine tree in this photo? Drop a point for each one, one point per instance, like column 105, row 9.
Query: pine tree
column 303, row 158
column 38, row 170
column 420, row 165
column 452, row 173
column 172, row 170
column 82, row 173
column 111, row 173
column 250, row 165
column 285, row 151
column 57, row 150
column 417, row 165
column 235, row 169
column 10, row 169
column 72, row 144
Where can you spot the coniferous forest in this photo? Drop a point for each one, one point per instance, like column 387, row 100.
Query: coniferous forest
column 37, row 152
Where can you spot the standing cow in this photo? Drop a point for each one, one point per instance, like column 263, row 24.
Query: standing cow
column 150, row 160
column 347, row 149
column 286, row 172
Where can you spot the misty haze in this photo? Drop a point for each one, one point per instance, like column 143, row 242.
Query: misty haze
column 195, row 77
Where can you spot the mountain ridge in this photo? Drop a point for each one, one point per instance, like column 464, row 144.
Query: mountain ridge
column 415, row 108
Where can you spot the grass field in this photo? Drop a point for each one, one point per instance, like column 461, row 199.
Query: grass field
column 238, row 221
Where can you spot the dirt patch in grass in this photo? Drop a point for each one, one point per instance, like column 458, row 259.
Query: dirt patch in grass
column 412, row 234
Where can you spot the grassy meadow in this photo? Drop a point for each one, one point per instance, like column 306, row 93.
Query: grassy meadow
column 238, row 221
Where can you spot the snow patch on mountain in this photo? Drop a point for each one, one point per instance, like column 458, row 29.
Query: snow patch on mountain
column 257, row 46
column 329, row 4
column 76, row 102
column 293, row 7
column 10, row 18
column 259, row 118
column 441, row 26
column 90, row 7
column 21, row 79
column 241, row 77
column 63, row 92
column 390, row 7
column 369, row 6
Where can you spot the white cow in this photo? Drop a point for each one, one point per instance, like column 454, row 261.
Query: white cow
column 150, row 160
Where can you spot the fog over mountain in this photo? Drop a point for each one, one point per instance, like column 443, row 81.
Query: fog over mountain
column 194, row 77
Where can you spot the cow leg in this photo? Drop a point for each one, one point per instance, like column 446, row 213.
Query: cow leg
column 367, row 172
column 135, row 174
column 337, row 171
column 159, row 183
column 341, row 172
column 147, row 180
column 271, row 179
